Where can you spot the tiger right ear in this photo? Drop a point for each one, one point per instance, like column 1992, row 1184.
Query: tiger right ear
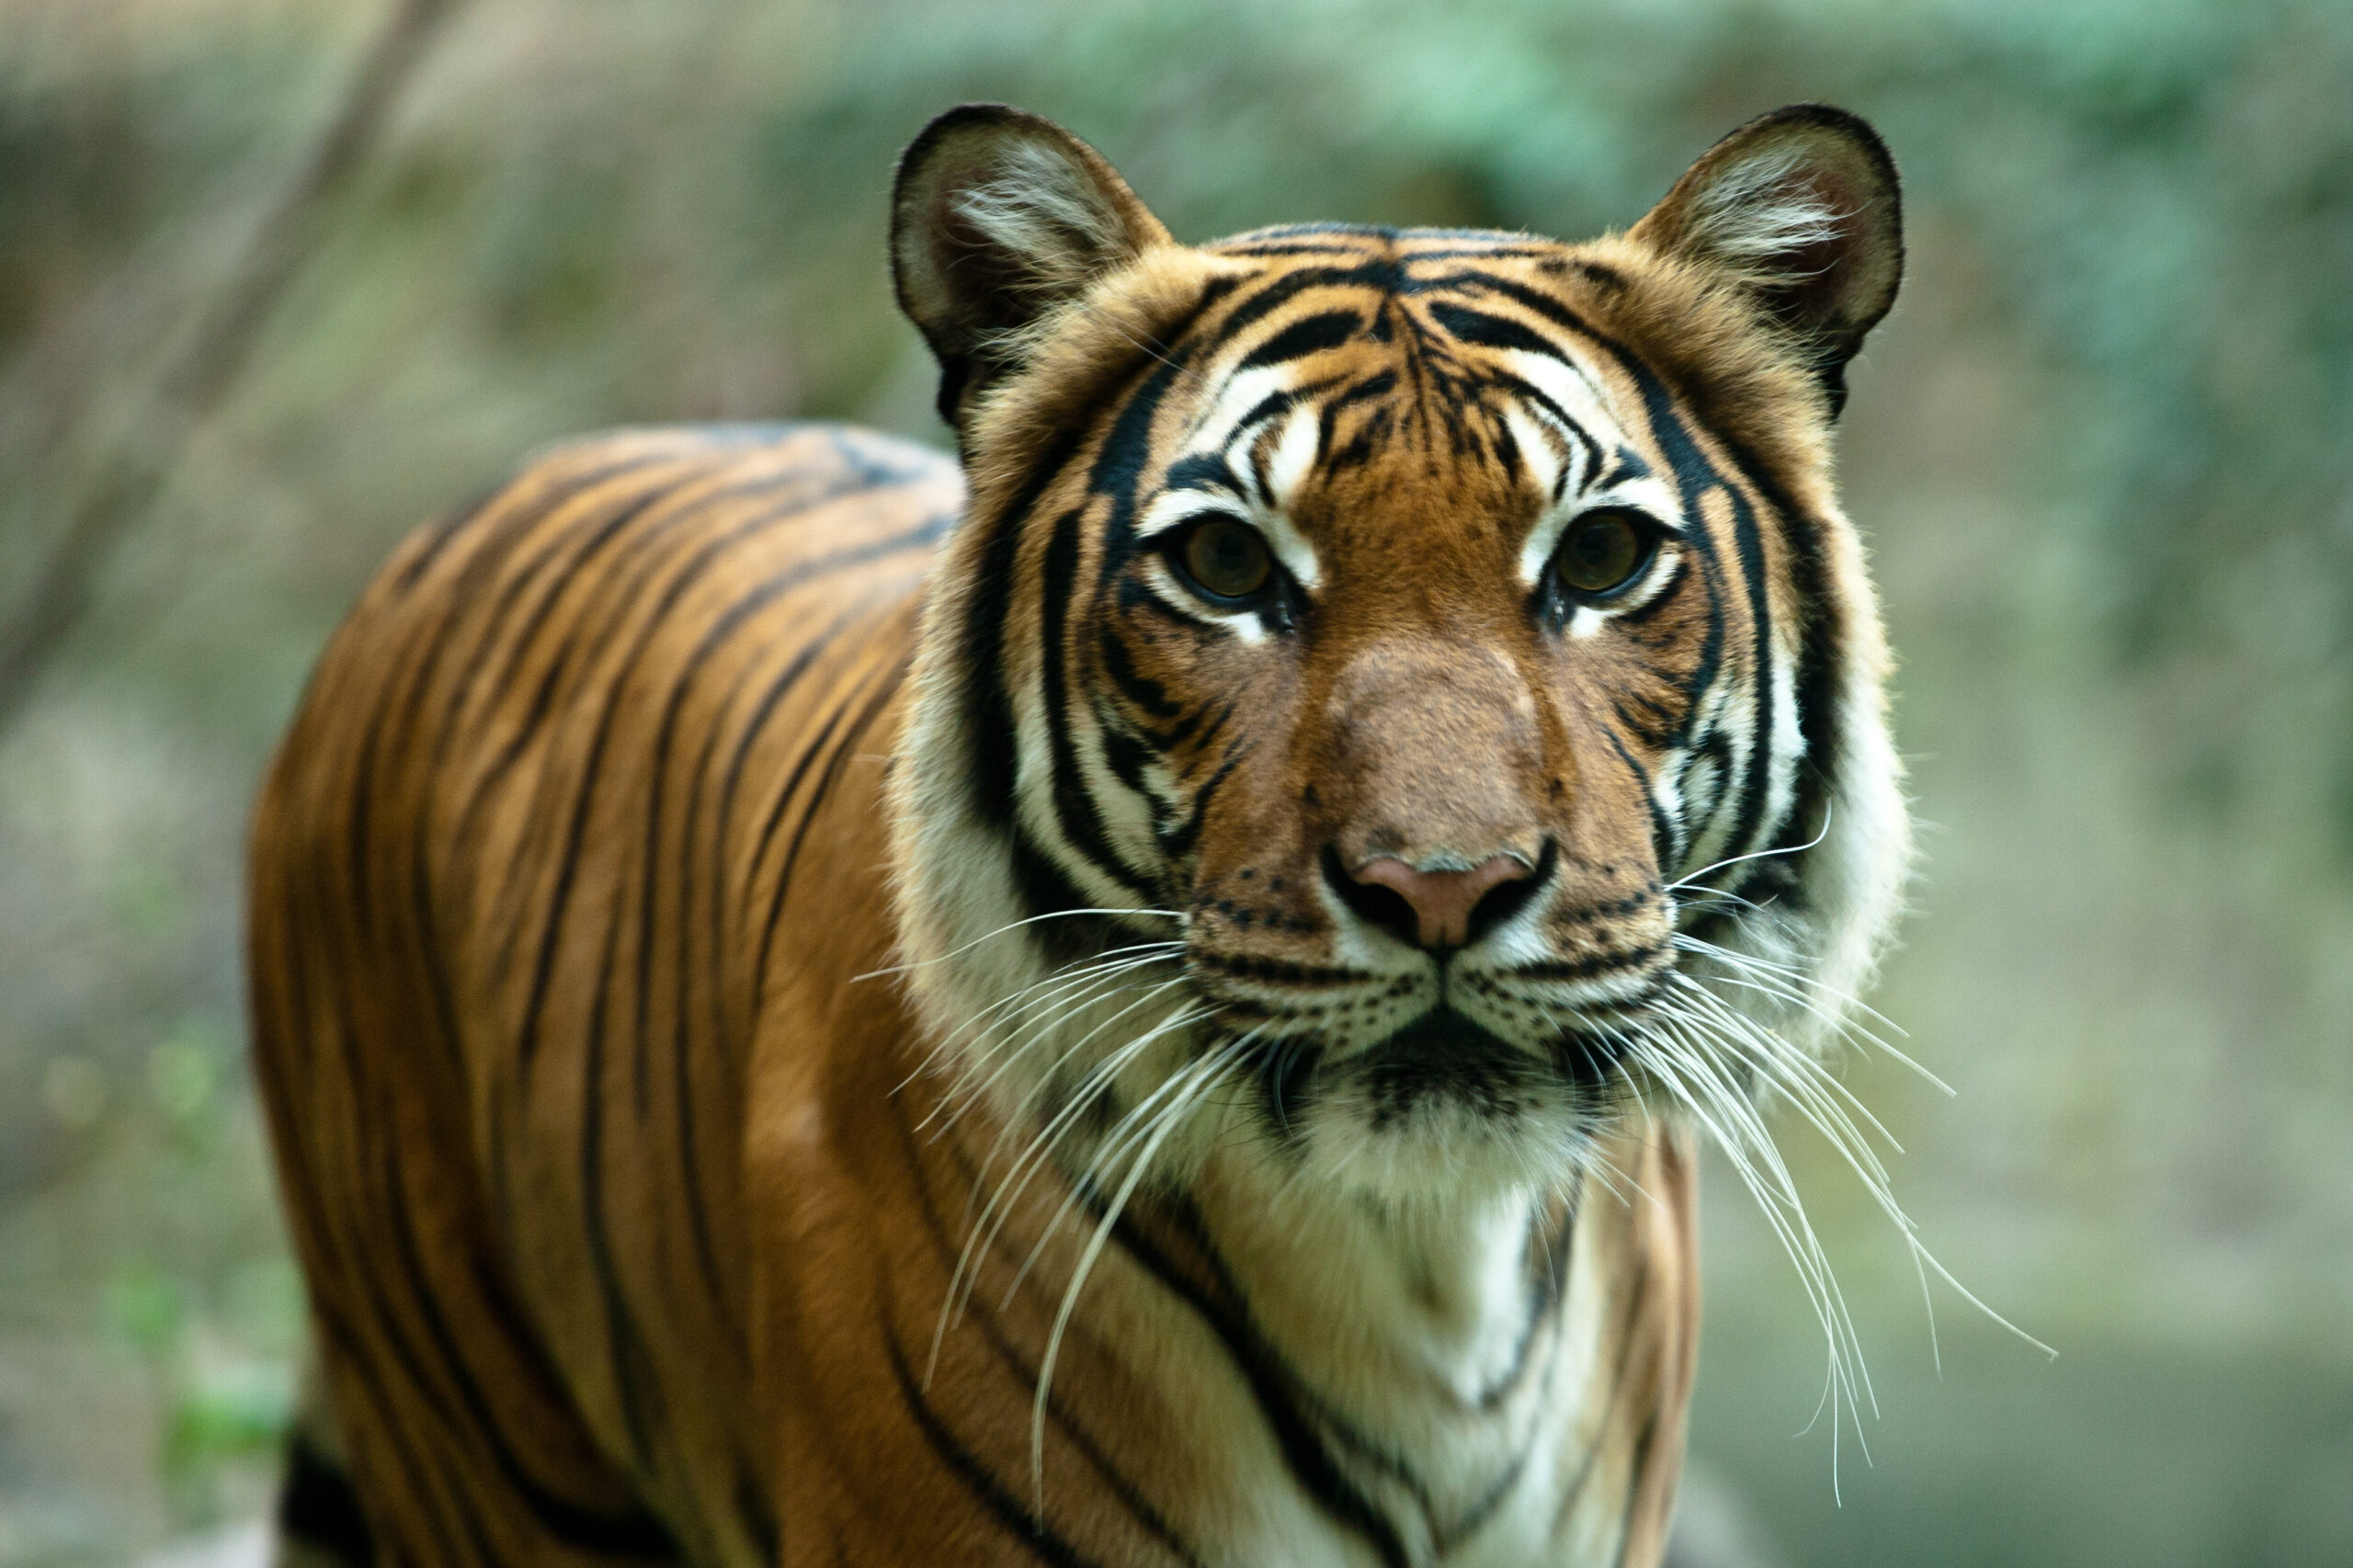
column 1000, row 217
column 1802, row 209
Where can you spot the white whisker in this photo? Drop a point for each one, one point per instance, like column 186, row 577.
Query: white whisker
column 983, row 1228
column 1202, row 1073
column 1690, row 880
column 1177, row 915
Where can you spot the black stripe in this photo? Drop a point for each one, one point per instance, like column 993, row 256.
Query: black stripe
column 716, row 637
column 378, row 1191
column 633, row 1533
column 1529, row 392
column 1379, row 273
column 1206, row 471
column 568, row 864
column 1278, row 1391
column 442, row 530
column 1543, row 1295
column 582, row 632
column 1024, row 1375
column 1126, row 454
column 1655, row 729
column 682, row 1087
column 885, row 691
column 1126, row 754
column 350, row 1354
column 757, row 1519
column 543, row 697
column 1077, row 815
column 1373, row 387
column 1481, row 330
column 1819, row 646
column 1644, row 1441
column 1665, row 833
column 1018, row 1521
column 1135, row 596
column 1178, row 843
column 628, row 1364
column 1141, row 691
column 1695, row 475
column 1265, row 408
column 988, row 702
column 1644, row 613
column 1309, row 334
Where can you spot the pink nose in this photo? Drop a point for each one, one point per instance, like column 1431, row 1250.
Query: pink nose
column 1441, row 901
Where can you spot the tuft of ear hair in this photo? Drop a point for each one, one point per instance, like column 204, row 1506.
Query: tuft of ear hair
column 1802, row 211
column 999, row 218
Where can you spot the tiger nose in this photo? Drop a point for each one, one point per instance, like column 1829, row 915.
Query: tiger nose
column 1443, row 903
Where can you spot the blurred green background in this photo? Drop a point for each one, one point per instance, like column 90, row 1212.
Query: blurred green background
column 2103, row 451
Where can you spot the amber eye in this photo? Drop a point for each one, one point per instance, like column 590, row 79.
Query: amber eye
column 1600, row 553
column 1225, row 559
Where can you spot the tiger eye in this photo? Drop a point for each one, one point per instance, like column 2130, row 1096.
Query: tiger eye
column 1227, row 559
column 1599, row 553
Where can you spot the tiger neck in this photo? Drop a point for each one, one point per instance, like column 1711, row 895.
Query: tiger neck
column 1407, row 1365
column 1396, row 1314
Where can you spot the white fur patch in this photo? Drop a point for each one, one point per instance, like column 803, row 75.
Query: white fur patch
column 1044, row 210
column 1756, row 216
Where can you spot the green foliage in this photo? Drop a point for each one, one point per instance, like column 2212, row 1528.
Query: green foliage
column 222, row 1371
column 230, row 1414
column 147, row 1310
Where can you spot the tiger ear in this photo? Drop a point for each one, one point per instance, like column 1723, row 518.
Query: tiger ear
column 999, row 217
column 1801, row 207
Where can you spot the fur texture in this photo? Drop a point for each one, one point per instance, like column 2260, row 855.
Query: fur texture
column 1146, row 1002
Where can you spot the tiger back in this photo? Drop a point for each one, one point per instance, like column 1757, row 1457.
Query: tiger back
column 1143, row 999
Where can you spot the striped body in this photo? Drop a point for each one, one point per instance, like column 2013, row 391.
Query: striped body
column 573, row 767
column 1144, row 1003
column 512, row 878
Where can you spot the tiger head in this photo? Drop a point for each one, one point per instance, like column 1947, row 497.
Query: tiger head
column 1408, row 696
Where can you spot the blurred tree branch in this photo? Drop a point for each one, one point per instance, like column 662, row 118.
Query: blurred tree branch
column 218, row 351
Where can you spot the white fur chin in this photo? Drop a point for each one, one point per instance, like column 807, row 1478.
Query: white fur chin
column 1447, row 1157
column 1443, row 1155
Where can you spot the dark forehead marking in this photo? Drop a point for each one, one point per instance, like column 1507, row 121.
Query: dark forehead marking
column 1387, row 263
column 1481, row 330
column 1325, row 329
column 1382, row 274
column 1390, row 269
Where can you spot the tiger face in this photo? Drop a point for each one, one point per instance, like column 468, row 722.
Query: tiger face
column 1401, row 697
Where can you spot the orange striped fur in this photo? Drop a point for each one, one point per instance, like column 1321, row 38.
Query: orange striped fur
column 818, row 1009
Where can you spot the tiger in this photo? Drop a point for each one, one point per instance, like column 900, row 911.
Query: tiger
column 1143, row 994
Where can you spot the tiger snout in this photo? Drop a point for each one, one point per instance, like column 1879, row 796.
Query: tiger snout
column 1436, row 906
column 1433, row 754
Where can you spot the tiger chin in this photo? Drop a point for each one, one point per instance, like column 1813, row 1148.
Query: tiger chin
column 1142, row 997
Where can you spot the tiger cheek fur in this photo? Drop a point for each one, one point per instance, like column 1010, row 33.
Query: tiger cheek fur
column 1140, row 1002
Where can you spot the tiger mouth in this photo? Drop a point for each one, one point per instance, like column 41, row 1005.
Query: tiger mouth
column 1448, row 1043
column 1443, row 1035
column 1445, row 1056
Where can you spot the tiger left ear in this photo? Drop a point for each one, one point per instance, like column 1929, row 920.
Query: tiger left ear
column 999, row 218
column 1801, row 209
